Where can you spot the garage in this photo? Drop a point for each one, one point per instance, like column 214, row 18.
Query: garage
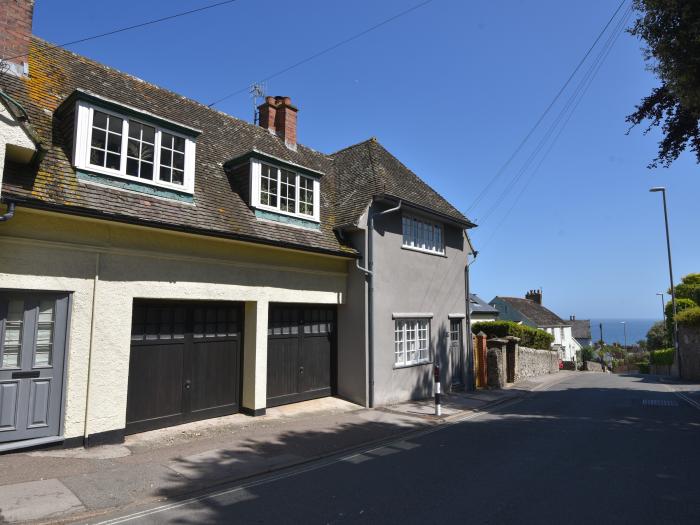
column 185, row 363
column 301, row 353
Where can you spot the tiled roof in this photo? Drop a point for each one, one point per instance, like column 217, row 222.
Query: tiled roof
column 367, row 169
column 354, row 174
column 537, row 313
column 581, row 328
column 478, row 305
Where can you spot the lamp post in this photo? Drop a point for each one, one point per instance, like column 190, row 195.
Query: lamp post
column 670, row 274
column 624, row 326
column 663, row 306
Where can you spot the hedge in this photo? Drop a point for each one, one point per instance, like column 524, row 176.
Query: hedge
column 661, row 357
column 690, row 317
column 529, row 337
column 643, row 368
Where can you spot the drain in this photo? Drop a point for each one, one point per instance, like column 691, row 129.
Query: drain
column 659, row 403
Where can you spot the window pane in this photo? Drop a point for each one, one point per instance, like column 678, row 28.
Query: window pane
column 146, row 171
column 132, row 167
column 179, row 161
column 15, row 310
column 179, row 144
column 178, row 177
column 287, row 191
column 149, row 134
column 99, row 120
column 113, row 160
column 115, row 124
column 147, row 152
column 99, row 138
column 132, row 148
column 166, row 157
column 97, row 157
column 164, row 174
column 12, row 340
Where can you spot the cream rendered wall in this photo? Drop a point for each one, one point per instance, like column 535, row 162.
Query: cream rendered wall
column 11, row 134
column 46, row 251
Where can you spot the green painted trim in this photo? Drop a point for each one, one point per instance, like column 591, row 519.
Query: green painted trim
column 146, row 189
column 259, row 155
column 131, row 112
column 286, row 219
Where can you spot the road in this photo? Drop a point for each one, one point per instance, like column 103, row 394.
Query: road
column 594, row 448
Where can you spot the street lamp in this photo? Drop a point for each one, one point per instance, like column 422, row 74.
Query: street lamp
column 670, row 274
column 624, row 326
column 663, row 305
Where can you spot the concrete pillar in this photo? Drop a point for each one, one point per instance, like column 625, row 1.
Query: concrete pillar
column 255, row 358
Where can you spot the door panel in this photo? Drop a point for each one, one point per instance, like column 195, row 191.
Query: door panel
column 456, row 354
column 9, row 403
column 300, row 353
column 32, row 347
column 185, row 363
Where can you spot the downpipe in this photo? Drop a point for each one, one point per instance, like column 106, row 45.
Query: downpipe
column 369, row 272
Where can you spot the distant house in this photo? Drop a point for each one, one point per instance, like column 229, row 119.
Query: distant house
column 581, row 330
column 481, row 310
column 530, row 312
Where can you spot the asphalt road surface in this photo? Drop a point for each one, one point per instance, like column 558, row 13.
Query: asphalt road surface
column 594, row 448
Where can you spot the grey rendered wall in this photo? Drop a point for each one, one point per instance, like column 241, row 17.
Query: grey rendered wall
column 352, row 332
column 407, row 281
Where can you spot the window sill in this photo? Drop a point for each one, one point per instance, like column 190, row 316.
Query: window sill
column 121, row 183
column 420, row 250
column 299, row 216
column 413, row 365
column 116, row 175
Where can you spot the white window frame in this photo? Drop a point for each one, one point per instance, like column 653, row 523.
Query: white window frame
column 255, row 175
column 424, row 235
column 402, row 329
column 84, row 113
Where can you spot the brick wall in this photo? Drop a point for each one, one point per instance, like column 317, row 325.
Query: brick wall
column 15, row 29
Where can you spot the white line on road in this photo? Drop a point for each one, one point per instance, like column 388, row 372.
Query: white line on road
column 318, row 464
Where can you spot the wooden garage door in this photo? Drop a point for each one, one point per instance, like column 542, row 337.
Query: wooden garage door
column 301, row 353
column 185, row 363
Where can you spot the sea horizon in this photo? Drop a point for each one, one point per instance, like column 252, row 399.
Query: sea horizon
column 614, row 330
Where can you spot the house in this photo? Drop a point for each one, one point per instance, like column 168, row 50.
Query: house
column 530, row 311
column 163, row 262
column 581, row 330
column 481, row 311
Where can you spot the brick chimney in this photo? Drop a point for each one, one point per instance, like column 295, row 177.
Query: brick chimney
column 535, row 296
column 15, row 34
column 279, row 116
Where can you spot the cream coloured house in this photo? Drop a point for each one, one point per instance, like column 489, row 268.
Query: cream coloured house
column 162, row 262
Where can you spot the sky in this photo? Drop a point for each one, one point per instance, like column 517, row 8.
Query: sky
column 451, row 89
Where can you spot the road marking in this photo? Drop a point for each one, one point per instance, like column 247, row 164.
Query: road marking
column 682, row 395
column 355, row 457
column 659, row 403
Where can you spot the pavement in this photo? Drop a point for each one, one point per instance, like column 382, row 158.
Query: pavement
column 64, row 485
column 584, row 448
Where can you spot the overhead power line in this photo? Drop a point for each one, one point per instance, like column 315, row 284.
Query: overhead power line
column 135, row 26
column 565, row 115
column 324, row 51
column 529, row 134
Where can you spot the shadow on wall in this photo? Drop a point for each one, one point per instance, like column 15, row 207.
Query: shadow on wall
column 525, row 436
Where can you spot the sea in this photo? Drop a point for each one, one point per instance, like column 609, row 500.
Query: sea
column 613, row 329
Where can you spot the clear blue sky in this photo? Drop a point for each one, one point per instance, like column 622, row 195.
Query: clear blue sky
column 450, row 89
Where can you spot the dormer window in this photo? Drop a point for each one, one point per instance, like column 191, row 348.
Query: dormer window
column 284, row 191
column 120, row 143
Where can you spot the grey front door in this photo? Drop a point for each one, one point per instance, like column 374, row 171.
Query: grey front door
column 32, row 347
column 456, row 351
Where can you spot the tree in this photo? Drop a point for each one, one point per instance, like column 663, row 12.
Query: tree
column 670, row 29
column 689, row 288
column 681, row 304
column 657, row 336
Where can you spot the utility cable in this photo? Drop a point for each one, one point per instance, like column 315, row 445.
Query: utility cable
column 129, row 28
column 576, row 99
column 503, row 168
column 324, row 51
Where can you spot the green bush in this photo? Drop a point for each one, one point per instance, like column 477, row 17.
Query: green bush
column 529, row 337
column 661, row 357
column 690, row 317
column 643, row 367
column 681, row 305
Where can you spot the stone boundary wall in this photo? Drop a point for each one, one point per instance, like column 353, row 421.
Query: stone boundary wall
column 592, row 366
column 689, row 348
column 662, row 370
column 533, row 363
column 496, row 367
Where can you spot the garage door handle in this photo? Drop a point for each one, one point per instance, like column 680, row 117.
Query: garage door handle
column 188, row 384
column 301, row 369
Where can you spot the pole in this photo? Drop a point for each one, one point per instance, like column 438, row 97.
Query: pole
column 673, row 291
column 438, row 406
column 624, row 326
column 601, row 336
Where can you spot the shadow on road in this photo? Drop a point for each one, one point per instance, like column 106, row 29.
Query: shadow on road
column 550, row 443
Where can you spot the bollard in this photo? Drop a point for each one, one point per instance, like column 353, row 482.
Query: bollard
column 438, row 407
